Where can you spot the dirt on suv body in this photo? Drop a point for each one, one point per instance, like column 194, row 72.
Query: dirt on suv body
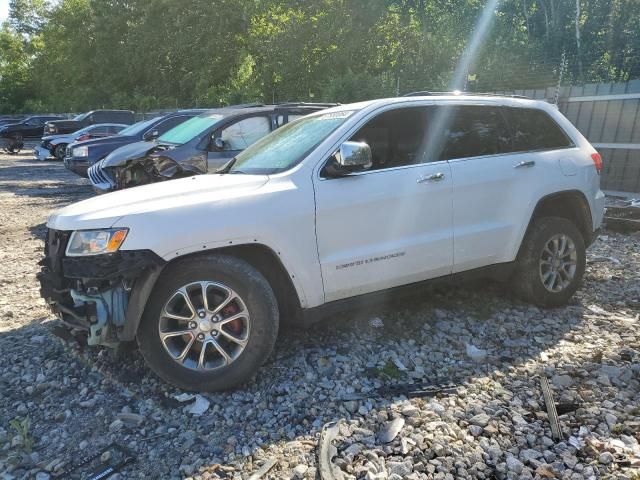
column 344, row 203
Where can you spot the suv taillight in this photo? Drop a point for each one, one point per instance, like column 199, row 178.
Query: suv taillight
column 597, row 161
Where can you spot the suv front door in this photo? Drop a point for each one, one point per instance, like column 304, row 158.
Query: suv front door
column 391, row 225
column 34, row 127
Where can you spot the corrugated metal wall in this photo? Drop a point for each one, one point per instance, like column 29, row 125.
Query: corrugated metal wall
column 608, row 115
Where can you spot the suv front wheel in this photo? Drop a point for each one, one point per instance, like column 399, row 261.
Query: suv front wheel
column 59, row 151
column 551, row 262
column 210, row 323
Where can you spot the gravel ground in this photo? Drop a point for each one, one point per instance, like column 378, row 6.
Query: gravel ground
column 61, row 402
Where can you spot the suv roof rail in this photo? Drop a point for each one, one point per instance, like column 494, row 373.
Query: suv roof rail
column 307, row 104
column 456, row 93
column 245, row 105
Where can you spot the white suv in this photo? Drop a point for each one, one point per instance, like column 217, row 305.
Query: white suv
column 341, row 204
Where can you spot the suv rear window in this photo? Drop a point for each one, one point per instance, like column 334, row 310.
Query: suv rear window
column 472, row 131
column 535, row 130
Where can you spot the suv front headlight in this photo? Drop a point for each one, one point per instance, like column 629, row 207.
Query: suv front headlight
column 80, row 152
column 95, row 242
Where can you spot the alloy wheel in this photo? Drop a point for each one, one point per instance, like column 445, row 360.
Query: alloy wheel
column 558, row 263
column 204, row 325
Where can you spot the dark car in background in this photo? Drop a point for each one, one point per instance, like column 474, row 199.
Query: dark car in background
column 12, row 134
column 80, row 156
column 57, row 127
column 200, row 145
column 56, row 145
column 4, row 120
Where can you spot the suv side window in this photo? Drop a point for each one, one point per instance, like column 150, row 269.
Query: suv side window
column 99, row 117
column 473, row 131
column 101, row 130
column 247, row 131
column 534, row 129
column 396, row 137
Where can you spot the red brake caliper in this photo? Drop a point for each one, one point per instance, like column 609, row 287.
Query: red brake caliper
column 236, row 325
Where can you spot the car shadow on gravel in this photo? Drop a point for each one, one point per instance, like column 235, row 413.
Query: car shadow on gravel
column 49, row 179
column 345, row 367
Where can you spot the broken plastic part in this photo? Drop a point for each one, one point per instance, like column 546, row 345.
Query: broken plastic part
column 263, row 470
column 327, row 451
column 556, row 431
column 118, row 456
column 110, row 306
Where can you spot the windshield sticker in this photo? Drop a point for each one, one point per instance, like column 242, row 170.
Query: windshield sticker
column 342, row 114
column 366, row 261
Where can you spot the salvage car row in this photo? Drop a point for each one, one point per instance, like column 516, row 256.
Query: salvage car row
column 180, row 143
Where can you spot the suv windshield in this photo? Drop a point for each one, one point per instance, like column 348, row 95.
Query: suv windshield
column 190, row 129
column 137, row 128
column 287, row 146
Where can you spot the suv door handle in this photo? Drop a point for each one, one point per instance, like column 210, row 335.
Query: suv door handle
column 436, row 177
column 526, row 164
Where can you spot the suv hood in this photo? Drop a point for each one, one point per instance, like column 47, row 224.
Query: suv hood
column 180, row 195
column 122, row 155
column 56, row 138
column 113, row 140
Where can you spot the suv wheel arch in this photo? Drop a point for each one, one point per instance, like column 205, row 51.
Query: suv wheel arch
column 260, row 256
column 569, row 204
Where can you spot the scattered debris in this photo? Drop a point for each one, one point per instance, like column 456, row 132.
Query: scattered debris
column 113, row 453
column 399, row 364
column 476, row 354
column 556, row 432
column 184, row 397
column 200, row 406
column 415, row 390
column 264, row 469
column 376, row 322
column 327, row 451
column 391, row 430
column 132, row 419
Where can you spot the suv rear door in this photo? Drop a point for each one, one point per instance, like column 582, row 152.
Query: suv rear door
column 390, row 225
column 496, row 180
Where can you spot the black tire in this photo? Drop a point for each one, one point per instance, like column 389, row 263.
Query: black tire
column 527, row 280
column 260, row 301
column 59, row 152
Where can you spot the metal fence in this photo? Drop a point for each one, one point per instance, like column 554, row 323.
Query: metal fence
column 608, row 114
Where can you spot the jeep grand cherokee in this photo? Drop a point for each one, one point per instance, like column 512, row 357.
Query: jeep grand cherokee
column 340, row 204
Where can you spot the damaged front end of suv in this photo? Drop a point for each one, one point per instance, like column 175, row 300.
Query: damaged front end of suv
column 91, row 285
column 151, row 163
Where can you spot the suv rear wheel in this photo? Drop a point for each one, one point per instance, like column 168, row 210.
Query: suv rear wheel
column 210, row 323
column 551, row 263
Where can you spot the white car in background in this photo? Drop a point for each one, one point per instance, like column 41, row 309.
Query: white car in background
column 330, row 209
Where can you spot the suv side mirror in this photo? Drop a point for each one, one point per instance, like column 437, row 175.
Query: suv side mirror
column 151, row 135
column 351, row 157
column 218, row 144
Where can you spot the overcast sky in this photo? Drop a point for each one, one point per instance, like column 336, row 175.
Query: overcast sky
column 4, row 10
